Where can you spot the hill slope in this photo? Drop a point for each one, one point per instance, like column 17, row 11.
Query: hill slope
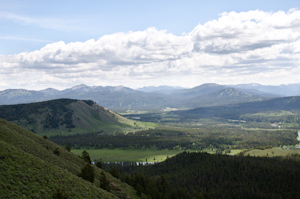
column 66, row 116
column 218, row 98
column 236, row 110
column 283, row 90
column 30, row 169
column 199, row 90
column 160, row 89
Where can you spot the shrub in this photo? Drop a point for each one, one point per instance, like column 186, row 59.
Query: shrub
column 59, row 194
column 56, row 152
column 114, row 172
column 104, row 183
column 68, row 147
column 87, row 172
column 86, row 157
column 99, row 164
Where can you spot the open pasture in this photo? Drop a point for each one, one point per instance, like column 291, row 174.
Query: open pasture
column 272, row 152
column 128, row 155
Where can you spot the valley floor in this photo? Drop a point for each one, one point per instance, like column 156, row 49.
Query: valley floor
column 149, row 155
column 129, row 155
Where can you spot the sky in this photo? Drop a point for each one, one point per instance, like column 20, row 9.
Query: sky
column 60, row 44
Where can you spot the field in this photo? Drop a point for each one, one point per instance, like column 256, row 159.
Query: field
column 129, row 155
column 137, row 155
column 272, row 152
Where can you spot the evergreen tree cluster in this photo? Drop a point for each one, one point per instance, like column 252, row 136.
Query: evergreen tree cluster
column 169, row 138
column 158, row 187
column 58, row 112
column 220, row 176
column 87, row 171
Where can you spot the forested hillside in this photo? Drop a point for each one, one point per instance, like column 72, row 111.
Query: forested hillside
column 66, row 116
column 223, row 177
column 161, row 138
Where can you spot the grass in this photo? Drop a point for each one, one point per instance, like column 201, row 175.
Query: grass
column 130, row 155
column 149, row 124
column 138, row 155
column 235, row 151
column 30, row 169
column 25, row 176
column 273, row 113
column 272, row 152
column 129, row 112
column 232, row 151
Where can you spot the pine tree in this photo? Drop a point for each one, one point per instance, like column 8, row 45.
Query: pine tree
column 68, row 147
column 87, row 172
column 56, row 152
column 114, row 172
column 86, row 157
column 104, row 183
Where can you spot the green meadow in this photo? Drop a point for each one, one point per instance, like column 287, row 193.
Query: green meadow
column 130, row 155
column 272, row 152
column 150, row 155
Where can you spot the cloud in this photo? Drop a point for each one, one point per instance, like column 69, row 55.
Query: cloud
column 61, row 24
column 23, row 39
column 253, row 46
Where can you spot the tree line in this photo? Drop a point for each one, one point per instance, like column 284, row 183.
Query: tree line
column 172, row 139
column 221, row 176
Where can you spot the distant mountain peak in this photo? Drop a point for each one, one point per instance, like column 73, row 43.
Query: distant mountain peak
column 120, row 87
column 210, row 84
column 79, row 87
column 230, row 92
column 162, row 89
column 49, row 90
column 255, row 84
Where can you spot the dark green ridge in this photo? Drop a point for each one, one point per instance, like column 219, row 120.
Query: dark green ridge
column 18, row 111
column 65, row 116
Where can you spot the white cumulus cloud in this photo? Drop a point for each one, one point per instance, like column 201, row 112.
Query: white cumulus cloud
column 253, row 46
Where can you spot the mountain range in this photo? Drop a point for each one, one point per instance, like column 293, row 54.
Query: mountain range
column 160, row 89
column 121, row 99
column 282, row 90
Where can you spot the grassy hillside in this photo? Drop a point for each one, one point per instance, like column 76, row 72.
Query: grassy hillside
column 30, row 169
column 67, row 116
column 273, row 152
